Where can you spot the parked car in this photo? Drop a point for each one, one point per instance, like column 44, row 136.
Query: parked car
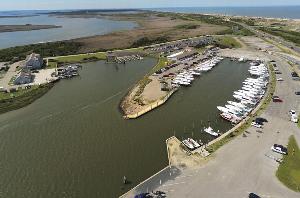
column 257, row 125
column 253, row 195
column 260, row 120
column 279, row 79
column 292, row 112
column 297, row 93
column 278, row 72
column 294, row 74
column 294, row 118
column 142, row 195
column 279, row 149
column 276, row 99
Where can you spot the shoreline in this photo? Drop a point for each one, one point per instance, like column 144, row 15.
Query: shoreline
column 25, row 28
column 19, row 102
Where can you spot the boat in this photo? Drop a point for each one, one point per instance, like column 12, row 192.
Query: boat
column 234, row 108
column 237, row 104
column 194, row 143
column 188, row 144
column 231, row 118
column 210, row 131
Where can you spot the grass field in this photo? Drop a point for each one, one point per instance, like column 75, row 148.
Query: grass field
column 227, row 42
column 289, row 170
column 76, row 58
column 162, row 62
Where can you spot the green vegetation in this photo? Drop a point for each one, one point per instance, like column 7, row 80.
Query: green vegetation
column 187, row 26
column 144, row 41
column 227, row 42
column 289, row 170
column 289, row 35
column 21, row 98
column 212, row 148
column 250, row 22
column 80, row 58
column 45, row 49
column 233, row 28
column 162, row 62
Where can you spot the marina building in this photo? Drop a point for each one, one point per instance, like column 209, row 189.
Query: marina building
column 25, row 77
column 33, row 61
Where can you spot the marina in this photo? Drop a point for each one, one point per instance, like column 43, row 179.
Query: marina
column 80, row 127
column 249, row 96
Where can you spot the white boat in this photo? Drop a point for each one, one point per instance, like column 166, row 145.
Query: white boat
column 231, row 117
column 237, row 104
column 238, row 97
column 188, row 144
column 226, row 110
column 184, row 83
column 233, row 108
column 210, row 131
column 194, row 143
column 241, row 59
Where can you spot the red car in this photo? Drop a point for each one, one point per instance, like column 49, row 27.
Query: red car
column 276, row 99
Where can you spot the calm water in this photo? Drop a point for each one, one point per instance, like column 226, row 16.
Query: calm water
column 73, row 142
column 292, row 12
column 71, row 28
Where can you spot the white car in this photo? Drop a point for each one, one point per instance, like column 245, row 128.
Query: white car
column 279, row 149
column 292, row 112
column 294, row 118
column 256, row 125
column 279, row 79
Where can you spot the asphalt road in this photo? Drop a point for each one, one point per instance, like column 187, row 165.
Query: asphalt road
column 279, row 40
column 247, row 163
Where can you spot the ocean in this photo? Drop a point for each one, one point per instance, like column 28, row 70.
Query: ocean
column 291, row 12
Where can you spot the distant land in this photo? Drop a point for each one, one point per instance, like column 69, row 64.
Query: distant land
column 27, row 27
column 292, row 12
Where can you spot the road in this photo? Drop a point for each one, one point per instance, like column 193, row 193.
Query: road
column 4, row 82
column 263, row 35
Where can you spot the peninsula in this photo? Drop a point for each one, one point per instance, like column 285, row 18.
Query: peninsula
column 26, row 27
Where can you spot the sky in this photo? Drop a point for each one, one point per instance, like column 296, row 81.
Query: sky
column 104, row 4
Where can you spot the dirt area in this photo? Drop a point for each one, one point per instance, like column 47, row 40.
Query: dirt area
column 151, row 26
column 180, row 157
column 254, row 48
column 152, row 91
column 28, row 27
column 258, row 43
column 43, row 77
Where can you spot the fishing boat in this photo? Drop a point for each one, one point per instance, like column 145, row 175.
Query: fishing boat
column 193, row 142
column 210, row 131
column 188, row 144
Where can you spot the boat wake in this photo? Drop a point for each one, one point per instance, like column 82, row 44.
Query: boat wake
column 101, row 102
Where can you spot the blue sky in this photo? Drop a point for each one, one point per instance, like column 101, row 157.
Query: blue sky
column 98, row 4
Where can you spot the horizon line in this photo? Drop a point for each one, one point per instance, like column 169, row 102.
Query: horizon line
column 53, row 9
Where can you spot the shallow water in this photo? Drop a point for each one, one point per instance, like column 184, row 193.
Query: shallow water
column 71, row 28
